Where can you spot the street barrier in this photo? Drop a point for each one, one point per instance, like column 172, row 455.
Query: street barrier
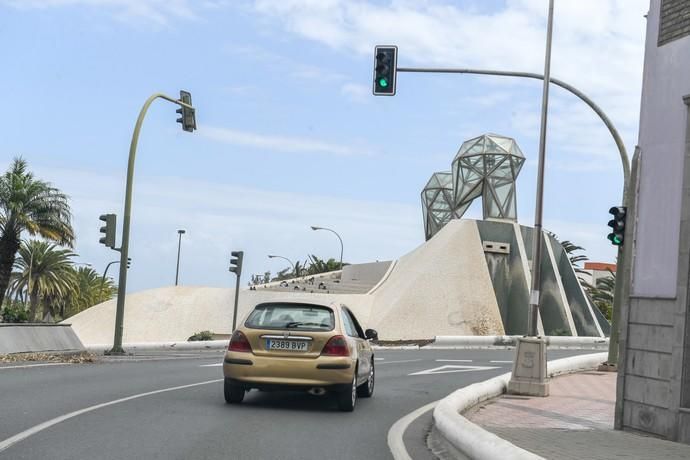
column 477, row 443
column 502, row 341
column 38, row 337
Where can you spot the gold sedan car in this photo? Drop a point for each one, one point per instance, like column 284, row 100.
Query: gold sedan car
column 301, row 346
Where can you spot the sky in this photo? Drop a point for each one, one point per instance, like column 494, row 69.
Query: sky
column 289, row 134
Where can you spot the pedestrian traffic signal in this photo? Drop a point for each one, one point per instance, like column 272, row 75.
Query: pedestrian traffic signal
column 236, row 262
column 188, row 116
column 108, row 230
column 385, row 70
column 617, row 235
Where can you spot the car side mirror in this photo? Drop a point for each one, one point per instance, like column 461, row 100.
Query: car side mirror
column 371, row 334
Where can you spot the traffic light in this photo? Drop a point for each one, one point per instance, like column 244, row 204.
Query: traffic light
column 385, row 70
column 236, row 262
column 108, row 230
column 187, row 116
column 617, row 235
column 129, row 262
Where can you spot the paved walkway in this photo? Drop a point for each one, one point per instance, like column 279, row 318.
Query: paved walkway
column 575, row 422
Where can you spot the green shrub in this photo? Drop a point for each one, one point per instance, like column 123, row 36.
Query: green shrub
column 201, row 336
column 14, row 314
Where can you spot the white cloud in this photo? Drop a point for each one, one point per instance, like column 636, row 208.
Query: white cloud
column 158, row 12
column 598, row 47
column 356, row 92
column 277, row 143
column 220, row 218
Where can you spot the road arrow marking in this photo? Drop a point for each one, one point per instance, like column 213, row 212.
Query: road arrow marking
column 450, row 368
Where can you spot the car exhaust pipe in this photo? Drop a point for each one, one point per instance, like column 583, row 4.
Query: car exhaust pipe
column 317, row 391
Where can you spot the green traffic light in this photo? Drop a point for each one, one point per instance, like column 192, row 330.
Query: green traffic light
column 383, row 82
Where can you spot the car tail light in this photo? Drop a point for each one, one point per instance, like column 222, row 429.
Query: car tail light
column 239, row 342
column 336, row 346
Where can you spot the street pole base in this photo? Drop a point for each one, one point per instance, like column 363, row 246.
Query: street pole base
column 115, row 352
column 608, row 367
column 529, row 368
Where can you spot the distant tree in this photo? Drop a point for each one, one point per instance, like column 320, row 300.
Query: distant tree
column 45, row 272
column 33, row 206
column 89, row 289
column 322, row 266
column 267, row 277
column 602, row 294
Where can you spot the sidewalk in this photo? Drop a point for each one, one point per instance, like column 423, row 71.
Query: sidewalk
column 574, row 422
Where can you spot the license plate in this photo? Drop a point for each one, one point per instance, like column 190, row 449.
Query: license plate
column 286, row 345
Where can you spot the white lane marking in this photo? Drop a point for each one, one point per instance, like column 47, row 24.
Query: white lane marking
column 449, row 368
column 211, row 365
column 454, row 360
column 42, row 426
column 379, row 359
column 403, row 361
column 501, row 362
column 396, row 432
column 24, row 366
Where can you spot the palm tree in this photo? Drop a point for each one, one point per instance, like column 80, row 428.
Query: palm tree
column 602, row 294
column 45, row 272
column 31, row 205
column 90, row 289
column 322, row 266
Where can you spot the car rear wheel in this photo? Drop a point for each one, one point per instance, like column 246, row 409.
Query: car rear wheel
column 366, row 390
column 234, row 394
column 348, row 398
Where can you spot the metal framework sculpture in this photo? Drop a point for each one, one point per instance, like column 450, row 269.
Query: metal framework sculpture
column 437, row 203
column 485, row 166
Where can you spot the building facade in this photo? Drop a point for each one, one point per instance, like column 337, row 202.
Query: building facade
column 654, row 364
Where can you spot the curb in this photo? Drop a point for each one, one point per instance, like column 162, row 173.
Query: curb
column 474, row 441
column 160, row 346
column 505, row 341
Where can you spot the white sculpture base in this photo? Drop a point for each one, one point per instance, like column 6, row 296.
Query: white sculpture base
column 529, row 368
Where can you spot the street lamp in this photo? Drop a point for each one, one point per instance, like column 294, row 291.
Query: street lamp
column 179, row 244
column 271, row 256
column 313, row 227
column 188, row 121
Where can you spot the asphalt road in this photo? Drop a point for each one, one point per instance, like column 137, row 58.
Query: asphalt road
column 194, row 422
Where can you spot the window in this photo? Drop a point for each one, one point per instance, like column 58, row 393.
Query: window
column 354, row 324
column 291, row 316
column 349, row 326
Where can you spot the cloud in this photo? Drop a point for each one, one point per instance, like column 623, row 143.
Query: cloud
column 598, row 47
column 158, row 12
column 220, row 218
column 356, row 92
column 276, row 143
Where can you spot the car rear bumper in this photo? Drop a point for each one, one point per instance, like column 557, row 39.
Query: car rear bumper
column 266, row 372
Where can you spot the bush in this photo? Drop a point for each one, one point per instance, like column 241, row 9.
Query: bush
column 14, row 314
column 201, row 336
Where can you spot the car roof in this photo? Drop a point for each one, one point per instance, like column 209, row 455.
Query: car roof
column 331, row 306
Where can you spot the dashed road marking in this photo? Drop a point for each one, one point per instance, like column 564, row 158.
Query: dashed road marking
column 211, row 365
column 402, row 361
column 501, row 362
column 454, row 360
column 450, row 368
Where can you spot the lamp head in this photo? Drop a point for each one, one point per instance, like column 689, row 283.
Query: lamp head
column 313, row 227
column 181, row 231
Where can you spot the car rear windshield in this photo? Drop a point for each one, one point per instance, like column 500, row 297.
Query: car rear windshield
column 291, row 316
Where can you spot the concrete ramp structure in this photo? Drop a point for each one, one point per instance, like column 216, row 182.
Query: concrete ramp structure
column 471, row 278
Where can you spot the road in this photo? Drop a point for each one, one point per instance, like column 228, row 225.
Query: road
column 193, row 422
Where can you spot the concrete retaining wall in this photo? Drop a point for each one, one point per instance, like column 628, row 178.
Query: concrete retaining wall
column 477, row 443
column 29, row 337
column 498, row 341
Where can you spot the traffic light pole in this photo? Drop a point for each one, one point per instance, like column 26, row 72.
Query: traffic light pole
column 124, row 249
column 621, row 262
column 237, row 293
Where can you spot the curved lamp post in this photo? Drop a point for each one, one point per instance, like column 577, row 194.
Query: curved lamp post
column 313, row 227
column 188, row 124
column 180, row 232
column 273, row 256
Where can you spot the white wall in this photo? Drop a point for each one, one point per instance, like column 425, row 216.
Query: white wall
column 662, row 138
